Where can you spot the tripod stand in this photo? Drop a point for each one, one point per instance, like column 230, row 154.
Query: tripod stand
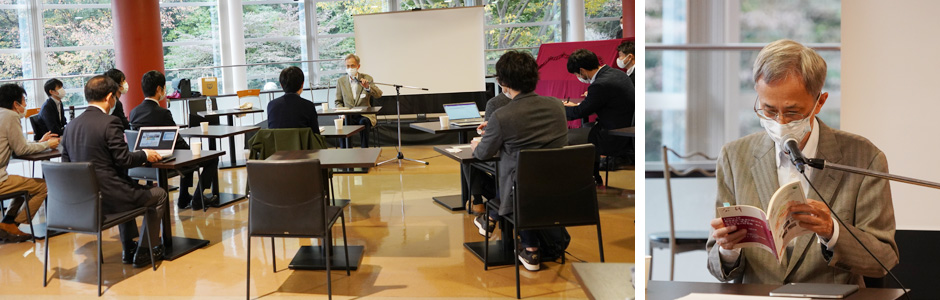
column 398, row 112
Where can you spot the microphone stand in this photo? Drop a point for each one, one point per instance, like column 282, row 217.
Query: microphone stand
column 822, row 164
column 398, row 112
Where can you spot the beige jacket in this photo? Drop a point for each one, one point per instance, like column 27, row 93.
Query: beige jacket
column 346, row 94
column 747, row 175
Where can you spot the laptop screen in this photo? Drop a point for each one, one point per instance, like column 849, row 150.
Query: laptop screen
column 156, row 138
column 460, row 111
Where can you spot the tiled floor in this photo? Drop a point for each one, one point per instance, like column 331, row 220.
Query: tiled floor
column 413, row 248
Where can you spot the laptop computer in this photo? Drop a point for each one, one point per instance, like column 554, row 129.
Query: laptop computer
column 161, row 139
column 463, row 114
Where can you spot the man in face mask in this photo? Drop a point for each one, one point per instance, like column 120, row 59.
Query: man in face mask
column 12, row 141
column 626, row 59
column 117, row 110
column 52, row 113
column 789, row 78
column 357, row 89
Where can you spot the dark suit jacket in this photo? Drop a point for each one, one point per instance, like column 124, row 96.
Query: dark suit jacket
column 292, row 111
column 53, row 117
column 149, row 113
column 610, row 97
column 98, row 138
column 495, row 103
column 529, row 121
column 119, row 112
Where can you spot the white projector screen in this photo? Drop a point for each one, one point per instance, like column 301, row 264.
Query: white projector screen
column 438, row 49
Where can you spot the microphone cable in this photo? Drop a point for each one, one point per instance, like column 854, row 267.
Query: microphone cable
column 831, row 211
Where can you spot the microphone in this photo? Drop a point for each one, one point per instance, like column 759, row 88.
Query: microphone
column 792, row 148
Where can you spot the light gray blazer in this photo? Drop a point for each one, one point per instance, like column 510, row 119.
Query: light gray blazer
column 747, row 175
column 346, row 94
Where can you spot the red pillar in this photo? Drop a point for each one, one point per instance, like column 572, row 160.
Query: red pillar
column 629, row 18
column 138, row 44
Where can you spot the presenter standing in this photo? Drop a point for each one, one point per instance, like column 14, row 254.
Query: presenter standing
column 357, row 89
column 789, row 77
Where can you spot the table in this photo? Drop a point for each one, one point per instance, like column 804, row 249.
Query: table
column 626, row 131
column 230, row 118
column 360, row 110
column 604, row 280
column 311, row 257
column 219, row 132
column 466, row 159
column 179, row 246
column 348, row 131
column 676, row 289
column 435, row 128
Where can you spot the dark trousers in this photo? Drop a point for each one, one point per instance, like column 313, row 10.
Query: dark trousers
column 481, row 183
column 363, row 135
column 155, row 209
column 210, row 172
column 528, row 238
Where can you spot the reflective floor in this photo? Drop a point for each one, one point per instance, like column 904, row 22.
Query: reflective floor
column 413, row 248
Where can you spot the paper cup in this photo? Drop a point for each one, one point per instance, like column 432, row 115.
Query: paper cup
column 445, row 121
column 204, row 126
column 196, row 147
column 338, row 123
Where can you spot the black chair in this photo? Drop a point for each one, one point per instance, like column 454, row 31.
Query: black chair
column 678, row 241
column 39, row 127
column 19, row 196
column 74, row 205
column 288, row 200
column 554, row 188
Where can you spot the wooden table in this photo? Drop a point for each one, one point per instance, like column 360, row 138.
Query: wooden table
column 312, row 257
column 359, row 110
column 604, row 280
column 179, row 246
column 626, row 131
column 466, row 159
column 435, row 128
column 220, row 132
column 348, row 131
column 229, row 113
column 676, row 289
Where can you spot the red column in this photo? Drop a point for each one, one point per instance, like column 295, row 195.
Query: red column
column 138, row 44
column 629, row 18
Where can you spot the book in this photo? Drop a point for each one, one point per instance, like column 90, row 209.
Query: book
column 773, row 230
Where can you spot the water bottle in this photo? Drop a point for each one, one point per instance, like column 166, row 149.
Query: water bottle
column 208, row 104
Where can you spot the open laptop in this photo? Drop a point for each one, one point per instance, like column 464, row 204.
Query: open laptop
column 463, row 114
column 161, row 139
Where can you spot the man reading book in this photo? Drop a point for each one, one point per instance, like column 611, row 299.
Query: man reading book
column 789, row 78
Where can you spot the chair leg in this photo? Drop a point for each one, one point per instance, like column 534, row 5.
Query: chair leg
column 651, row 260
column 273, row 256
column 486, row 240
column 345, row 244
column 600, row 241
column 29, row 216
column 153, row 259
column 45, row 263
column 515, row 251
column 248, row 272
column 99, row 263
column 607, row 173
column 329, row 258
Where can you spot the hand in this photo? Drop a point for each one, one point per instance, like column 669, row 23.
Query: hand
column 726, row 237
column 815, row 216
column 364, row 83
column 584, row 95
column 482, row 128
column 570, row 104
column 47, row 136
column 473, row 144
column 53, row 143
column 152, row 156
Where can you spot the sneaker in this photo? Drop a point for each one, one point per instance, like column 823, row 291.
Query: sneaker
column 485, row 225
column 529, row 259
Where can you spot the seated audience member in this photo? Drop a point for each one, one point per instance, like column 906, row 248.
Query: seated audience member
column 481, row 183
column 149, row 113
column 118, row 110
column 291, row 110
column 53, row 113
column 610, row 96
column 545, row 127
column 357, row 89
column 98, row 137
column 12, row 141
column 626, row 59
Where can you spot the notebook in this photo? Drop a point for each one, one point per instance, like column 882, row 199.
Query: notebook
column 160, row 139
column 463, row 114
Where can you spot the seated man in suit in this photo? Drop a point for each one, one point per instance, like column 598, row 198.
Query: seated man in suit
column 291, row 110
column 610, row 96
column 545, row 127
column 481, row 183
column 98, row 137
column 12, row 141
column 52, row 112
column 789, row 78
column 357, row 89
column 150, row 113
column 118, row 110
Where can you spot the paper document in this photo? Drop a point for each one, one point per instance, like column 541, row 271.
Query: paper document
column 771, row 231
column 699, row 296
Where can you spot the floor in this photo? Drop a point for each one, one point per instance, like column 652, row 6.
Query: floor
column 413, row 248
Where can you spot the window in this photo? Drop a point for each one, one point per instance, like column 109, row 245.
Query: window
column 15, row 37
column 273, row 33
column 523, row 25
column 336, row 35
column 699, row 99
column 602, row 19
column 190, row 39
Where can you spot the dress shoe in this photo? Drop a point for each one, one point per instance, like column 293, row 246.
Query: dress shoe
column 129, row 251
column 142, row 257
column 9, row 233
column 478, row 208
column 211, row 201
column 184, row 201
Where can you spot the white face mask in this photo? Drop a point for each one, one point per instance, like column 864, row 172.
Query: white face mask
column 61, row 92
column 797, row 129
column 622, row 63
column 111, row 110
column 22, row 114
column 124, row 88
column 588, row 81
column 352, row 72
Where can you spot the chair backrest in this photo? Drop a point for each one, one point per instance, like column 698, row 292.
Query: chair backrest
column 39, row 127
column 74, row 199
column 668, row 171
column 195, row 106
column 130, row 136
column 266, row 142
column 286, row 198
column 556, row 187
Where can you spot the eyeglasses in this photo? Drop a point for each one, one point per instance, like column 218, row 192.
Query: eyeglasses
column 776, row 116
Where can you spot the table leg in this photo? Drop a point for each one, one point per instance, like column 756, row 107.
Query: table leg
column 174, row 247
column 457, row 202
column 462, row 137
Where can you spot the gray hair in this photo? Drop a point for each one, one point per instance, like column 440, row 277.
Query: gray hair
column 353, row 56
column 785, row 57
